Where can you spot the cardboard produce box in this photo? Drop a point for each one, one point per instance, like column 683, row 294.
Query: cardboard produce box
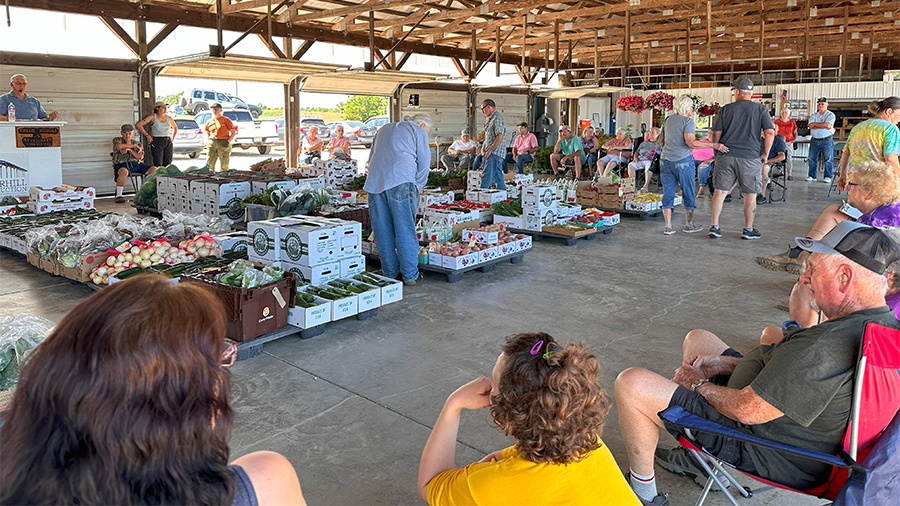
column 62, row 193
column 535, row 195
column 393, row 292
column 307, row 317
column 317, row 275
column 308, row 244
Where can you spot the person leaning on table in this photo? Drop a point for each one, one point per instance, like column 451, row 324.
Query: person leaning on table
column 27, row 107
column 221, row 133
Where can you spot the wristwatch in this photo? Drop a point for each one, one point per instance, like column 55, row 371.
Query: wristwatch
column 697, row 383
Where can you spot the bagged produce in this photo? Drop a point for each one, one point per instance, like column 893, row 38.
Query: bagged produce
column 18, row 336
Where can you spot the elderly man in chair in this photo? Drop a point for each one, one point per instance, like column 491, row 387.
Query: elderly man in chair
column 796, row 390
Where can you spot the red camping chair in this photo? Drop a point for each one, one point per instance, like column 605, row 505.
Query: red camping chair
column 876, row 400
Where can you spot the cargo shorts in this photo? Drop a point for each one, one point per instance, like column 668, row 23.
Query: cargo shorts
column 745, row 171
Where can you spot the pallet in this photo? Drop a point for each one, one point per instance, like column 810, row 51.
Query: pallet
column 149, row 211
column 642, row 215
column 569, row 240
column 253, row 347
column 454, row 275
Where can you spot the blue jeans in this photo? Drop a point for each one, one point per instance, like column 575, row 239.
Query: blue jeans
column 476, row 164
column 393, row 214
column 520, row 161
column 492, row 172
column 591, row 160
column 671, row 174
column 704, row 172
column 826, row 147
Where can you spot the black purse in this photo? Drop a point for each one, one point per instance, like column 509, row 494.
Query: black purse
column 654, row 164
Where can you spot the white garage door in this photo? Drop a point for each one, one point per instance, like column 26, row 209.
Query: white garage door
column 514, row 109
column 95, row 104
column 447, row 110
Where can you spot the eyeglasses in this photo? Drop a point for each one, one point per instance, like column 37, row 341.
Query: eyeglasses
column 483, row 107
column 852, row 184
column 230, row 354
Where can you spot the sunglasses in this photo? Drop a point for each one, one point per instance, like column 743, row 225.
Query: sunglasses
column 484, row 107
column 229, row 356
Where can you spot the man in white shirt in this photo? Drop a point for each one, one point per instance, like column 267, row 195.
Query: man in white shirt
column 821, row 125
column 461, row 151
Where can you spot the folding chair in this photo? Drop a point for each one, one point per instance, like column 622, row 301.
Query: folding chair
column 876, row 401
column 778, row 179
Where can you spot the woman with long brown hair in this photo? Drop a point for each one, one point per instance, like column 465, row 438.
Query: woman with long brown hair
column 127, row 402
column 549, row 399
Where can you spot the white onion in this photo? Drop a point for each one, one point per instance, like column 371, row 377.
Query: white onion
column 111, row 260
column 203, row 252
column 146, row 263
column 145, row 254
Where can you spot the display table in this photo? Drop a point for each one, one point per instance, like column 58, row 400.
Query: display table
column 30, row 155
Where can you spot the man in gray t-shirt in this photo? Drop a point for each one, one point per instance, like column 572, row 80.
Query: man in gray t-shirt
column 738, row 127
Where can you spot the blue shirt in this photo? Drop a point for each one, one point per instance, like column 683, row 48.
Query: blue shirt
column 821, row 133
column 399, row 155
column 27, row 109
column 778, row 146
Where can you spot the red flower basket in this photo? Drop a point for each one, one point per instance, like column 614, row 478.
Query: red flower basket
column 630, row 103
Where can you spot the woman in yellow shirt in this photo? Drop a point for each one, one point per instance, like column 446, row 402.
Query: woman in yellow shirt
column 549, row 399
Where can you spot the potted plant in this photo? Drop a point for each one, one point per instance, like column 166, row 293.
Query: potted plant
column 660, row 100
column 630, row 103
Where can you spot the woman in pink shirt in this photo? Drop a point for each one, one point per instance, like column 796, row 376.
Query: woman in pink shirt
column 340, row 146
column 703, row 160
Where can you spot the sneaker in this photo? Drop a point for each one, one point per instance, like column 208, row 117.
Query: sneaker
column 679, row 462
column 827, row 180
column 120, row 200
column 668, row 231
column 659, row 500
column 760, row 200
column 750, row 234
column 714, row 232
column 412, row 282
column 691, row 229
column 810, row 179
column 728, row 198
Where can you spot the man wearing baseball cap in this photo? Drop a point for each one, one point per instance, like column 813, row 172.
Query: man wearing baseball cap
column 821, row 140
column 738, row 127
column 524, row 147
column 568, row 147
column 796, row 388
column 460, row 152
column 162, row 130
column 221, row 132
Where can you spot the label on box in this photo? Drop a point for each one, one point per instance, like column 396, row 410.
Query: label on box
column 537, row 194
column 305, row 318
column 458, row 262
column 308, row 245
column 481, row 236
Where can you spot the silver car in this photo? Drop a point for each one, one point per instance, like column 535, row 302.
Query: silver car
column 189, row 138
column 357, row 131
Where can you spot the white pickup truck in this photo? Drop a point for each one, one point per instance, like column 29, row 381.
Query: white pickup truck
column 250, row 132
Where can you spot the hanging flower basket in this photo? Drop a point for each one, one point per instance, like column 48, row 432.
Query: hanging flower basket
column 660, row 100
column 630, row 103
column 709, row 110
column 698, row 102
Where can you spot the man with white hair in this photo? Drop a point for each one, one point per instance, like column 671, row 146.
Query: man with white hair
column 27, row 107
column 398, row 169
column 737, row 127
column 795, row 390
column 460, row 152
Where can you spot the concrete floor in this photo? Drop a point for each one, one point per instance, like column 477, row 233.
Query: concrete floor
column 352, row 408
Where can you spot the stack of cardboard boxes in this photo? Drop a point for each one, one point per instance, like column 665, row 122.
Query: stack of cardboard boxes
column 316, row 249
column 61, row 198
column 337, row 173
column 614, row 195
column 539, row 203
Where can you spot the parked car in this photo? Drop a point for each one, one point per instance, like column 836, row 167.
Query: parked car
column 251, row 132
column 324, row 131
column 378, row 121
column 197, row 100
column 357, row 131
column 279, row 124
column 255, row 110
column 189, row 139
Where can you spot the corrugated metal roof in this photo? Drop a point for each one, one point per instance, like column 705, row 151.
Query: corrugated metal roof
column 363, row 82
column 241, row 68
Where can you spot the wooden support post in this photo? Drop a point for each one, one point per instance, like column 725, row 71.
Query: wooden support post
column 473, row 63
column 524, row 40
column 372, row 39
column 871, row 52
column 547, row 64
column 287, row 46
column 497, row 51
column 690, row 56
column 556, row 46
column 762, row 34
column 859, row 72
column 596, row 58
column 269, row 25
column 392, row 56
column 806, row 34
column 626, row 48
column 820, row 69
column 709, row 30
column 291, row 121
column 844, row 37
column 219, row 20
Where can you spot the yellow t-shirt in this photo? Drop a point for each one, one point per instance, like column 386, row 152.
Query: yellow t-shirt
column 595, row 480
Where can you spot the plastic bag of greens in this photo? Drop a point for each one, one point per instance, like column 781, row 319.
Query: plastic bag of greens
column 42, row 241
column 18, row 336
column 68, row 249
column 219, row 224
column 234, row 273
column 151, row 228
column 253, row 278
column 275, row 273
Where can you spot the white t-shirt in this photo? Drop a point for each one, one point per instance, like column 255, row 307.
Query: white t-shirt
column 459, row 145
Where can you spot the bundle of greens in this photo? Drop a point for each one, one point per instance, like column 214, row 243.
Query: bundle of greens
column 18, row 336
column 508, row 208
column 244, row 274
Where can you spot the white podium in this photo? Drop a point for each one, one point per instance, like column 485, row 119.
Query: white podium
column 30, row 155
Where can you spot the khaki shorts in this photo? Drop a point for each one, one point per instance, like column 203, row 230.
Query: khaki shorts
column 730, row 170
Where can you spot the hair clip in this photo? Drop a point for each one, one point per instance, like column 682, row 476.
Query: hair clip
column 551, row 350
column 537, row 347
